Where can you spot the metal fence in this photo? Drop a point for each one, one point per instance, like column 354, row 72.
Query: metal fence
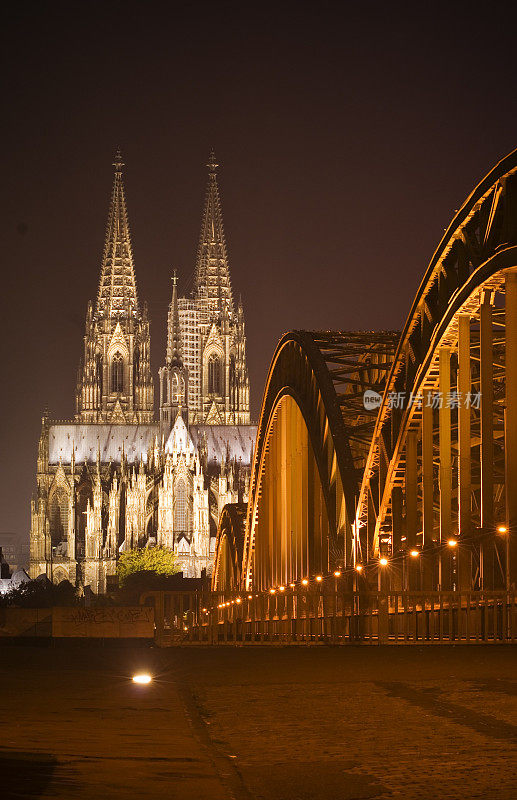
column 309, row 617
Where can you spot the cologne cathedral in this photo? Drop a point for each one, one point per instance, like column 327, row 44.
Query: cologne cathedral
column 116, row 478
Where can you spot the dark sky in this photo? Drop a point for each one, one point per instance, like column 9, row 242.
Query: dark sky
column 347, row 133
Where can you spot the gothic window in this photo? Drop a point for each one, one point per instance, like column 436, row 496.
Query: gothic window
column 58, row 513
column 84, row 494
column 136, row 364
column 175, row 389
column 99, row 373
column 117, row 374
column 233, row 382
column 180, row 507
column 214, row 375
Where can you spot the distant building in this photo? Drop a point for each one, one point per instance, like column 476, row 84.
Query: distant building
column 5, row 572
column 115, row 478
column 15, row 552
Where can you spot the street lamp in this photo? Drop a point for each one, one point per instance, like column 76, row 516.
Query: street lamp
column 143, row 677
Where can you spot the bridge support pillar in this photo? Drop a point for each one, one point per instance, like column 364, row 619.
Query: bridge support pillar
column 464, row 454
column 413, row 566
column 303, row 553
column 511, row 428
column 286, row 467
column 396, row 518
column 427, row 472
column 486, row 369
column 445, row 464
column 411, row 489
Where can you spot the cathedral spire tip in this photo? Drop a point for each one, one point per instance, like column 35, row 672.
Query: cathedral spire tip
column 118, row 163
column 117, row 295
column 212, row 163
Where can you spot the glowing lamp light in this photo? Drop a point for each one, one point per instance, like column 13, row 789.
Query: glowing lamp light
column 414, row 553
column 337, row 574
column 142, row 677
column 358, row 567
column 272, row 591
column 292, row 585
column 452, row 543
column 383, row 561
column 281, row 588
column 305, row 582
column 319, row 578
column 204, row 610
column 250, row 597
column 502, row 529
column 238, row 600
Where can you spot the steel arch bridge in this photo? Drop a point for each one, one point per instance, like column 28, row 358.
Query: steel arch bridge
column 430, row 472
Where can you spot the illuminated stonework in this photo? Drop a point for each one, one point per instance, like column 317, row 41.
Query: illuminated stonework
column 116, row 478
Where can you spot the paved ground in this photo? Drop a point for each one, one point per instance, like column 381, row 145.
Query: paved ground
column 263, row 723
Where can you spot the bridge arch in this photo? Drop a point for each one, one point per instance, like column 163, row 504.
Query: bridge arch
column 351, row 486
column 312, row 438
column 229, row 548
column 444, row 474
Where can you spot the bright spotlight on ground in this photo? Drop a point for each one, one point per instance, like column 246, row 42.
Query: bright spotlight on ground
column 142, row 677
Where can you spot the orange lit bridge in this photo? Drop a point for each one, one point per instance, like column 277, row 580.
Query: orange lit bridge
column 383, row 497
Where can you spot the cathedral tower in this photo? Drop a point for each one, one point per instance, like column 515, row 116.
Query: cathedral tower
column 212, row 330
column 115, row 383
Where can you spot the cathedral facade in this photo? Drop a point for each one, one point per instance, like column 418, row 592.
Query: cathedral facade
column 116, row 478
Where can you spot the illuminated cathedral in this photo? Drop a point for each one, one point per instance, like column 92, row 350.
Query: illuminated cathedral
column 116, row 478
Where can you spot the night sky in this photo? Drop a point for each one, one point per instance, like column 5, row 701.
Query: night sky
column 347, row 136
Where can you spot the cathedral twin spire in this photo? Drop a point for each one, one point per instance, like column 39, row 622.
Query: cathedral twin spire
column 205, row 358
column 115, row 384
column 212, row 272
column 117, row 288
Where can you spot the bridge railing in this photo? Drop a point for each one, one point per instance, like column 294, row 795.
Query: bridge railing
column 335, row 618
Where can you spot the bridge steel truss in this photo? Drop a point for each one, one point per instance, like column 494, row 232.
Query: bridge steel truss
column 312, row 443
column 421, row 493
column 229, row 548
column 444, row 467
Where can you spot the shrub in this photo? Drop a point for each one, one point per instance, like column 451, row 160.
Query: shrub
column 148, row 562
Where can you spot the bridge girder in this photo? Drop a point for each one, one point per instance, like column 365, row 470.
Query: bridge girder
column 314, row 395
column 334, row 483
